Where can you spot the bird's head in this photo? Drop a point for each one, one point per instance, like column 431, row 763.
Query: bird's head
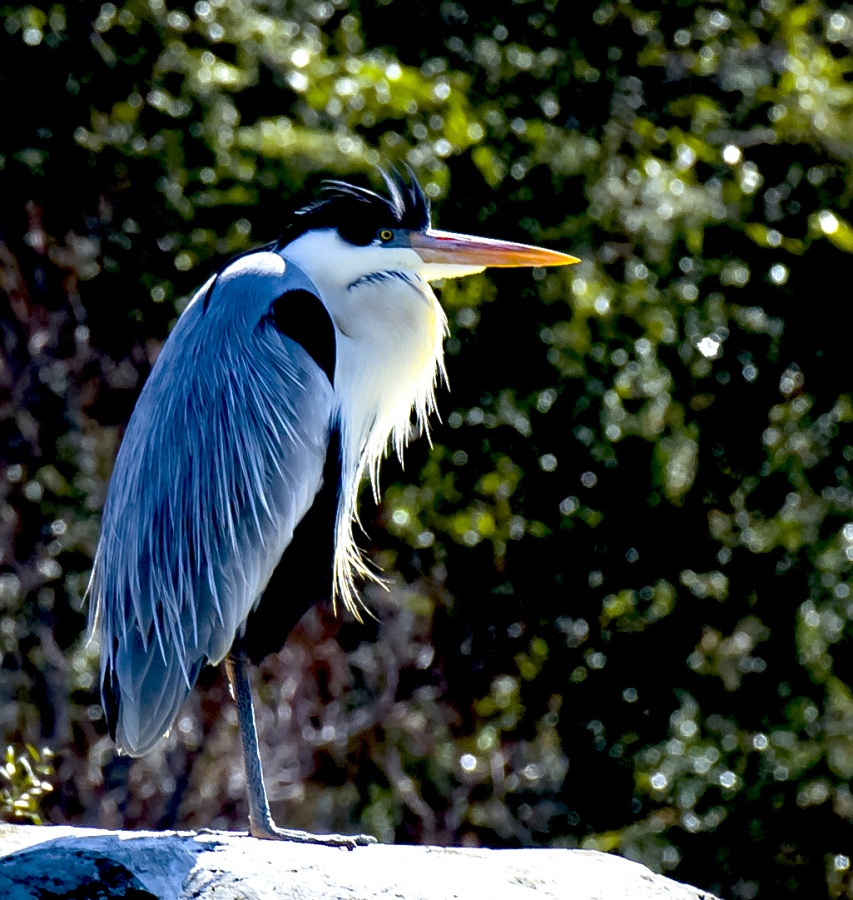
column 352, row 234
column 368, row 259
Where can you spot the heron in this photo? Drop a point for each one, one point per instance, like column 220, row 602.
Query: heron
column 232, row 502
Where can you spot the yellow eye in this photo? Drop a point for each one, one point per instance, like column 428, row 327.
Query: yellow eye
column 386, row 234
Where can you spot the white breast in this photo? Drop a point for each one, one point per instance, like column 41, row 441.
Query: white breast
column 390, row 330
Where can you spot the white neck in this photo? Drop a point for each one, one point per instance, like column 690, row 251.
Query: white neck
column 390, row 330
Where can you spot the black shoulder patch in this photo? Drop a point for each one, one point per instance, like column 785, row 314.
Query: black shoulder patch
column 301, row 316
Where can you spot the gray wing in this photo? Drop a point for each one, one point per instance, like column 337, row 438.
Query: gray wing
column 222, row 458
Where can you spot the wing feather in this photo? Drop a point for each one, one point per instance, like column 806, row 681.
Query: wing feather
column 222, row 458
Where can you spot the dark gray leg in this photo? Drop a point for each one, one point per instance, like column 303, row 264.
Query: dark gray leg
column 261, row 824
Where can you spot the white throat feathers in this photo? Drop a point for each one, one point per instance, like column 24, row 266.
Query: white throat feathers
column 390, row 331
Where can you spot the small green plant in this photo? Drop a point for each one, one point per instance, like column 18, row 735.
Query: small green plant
column 23, row 781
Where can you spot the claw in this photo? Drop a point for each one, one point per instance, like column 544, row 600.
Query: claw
column 271, row 832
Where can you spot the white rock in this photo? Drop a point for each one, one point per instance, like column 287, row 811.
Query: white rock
column 228, row 866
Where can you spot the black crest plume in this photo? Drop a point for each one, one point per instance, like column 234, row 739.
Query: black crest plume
column 357, row 212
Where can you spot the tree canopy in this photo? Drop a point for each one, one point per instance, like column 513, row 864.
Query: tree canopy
column 619, row 609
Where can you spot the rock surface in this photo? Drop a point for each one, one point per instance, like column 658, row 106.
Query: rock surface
column 82, row 863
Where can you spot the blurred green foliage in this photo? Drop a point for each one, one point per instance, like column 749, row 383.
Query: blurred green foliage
column 619, row 613
column 24, row 784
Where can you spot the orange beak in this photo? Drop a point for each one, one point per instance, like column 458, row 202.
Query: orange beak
column 447, row 248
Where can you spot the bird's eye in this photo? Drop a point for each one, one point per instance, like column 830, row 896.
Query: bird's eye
column 385, row 234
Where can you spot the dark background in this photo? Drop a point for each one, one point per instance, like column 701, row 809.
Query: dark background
column 619, row 613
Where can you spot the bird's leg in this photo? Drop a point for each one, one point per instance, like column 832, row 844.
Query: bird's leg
column 261, row 824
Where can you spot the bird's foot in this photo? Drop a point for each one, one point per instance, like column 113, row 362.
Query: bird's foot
column 271, row 832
